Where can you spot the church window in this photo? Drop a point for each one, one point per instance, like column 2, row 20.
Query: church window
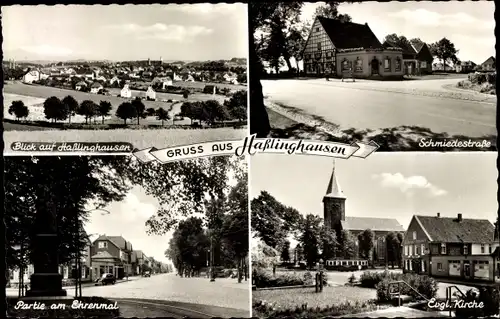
column 387, row 64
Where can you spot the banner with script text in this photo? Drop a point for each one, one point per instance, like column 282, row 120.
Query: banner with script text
column 252, row 145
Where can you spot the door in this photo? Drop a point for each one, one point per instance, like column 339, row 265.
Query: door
column 467, row 270
column 375, row 67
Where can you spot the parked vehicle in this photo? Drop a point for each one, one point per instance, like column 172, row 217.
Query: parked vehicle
column 106, row 279
column 147, row 274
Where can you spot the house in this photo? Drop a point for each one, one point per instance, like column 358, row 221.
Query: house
column 438, row 65
column 126, row 92
column 189, row 78
column 140, row 260
column 489, row 65
column 465, row 66
column 335, row 218
column 452, row 247
column 210, row 89
column 80, row 86
column 96, row 87
column 111, row 254
column 177, row 77
column 31, row 76
column 229, row 77
column 338, row 48
column 423, row 56
column 114, row 80
column 162, row 82
column 150, row 94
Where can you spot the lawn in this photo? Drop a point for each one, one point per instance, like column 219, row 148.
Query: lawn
column 141, row 139
column 292, row 298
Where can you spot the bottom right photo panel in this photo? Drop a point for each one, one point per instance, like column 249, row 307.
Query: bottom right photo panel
column 396, row 234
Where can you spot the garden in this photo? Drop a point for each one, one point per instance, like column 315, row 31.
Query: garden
column 480, row 82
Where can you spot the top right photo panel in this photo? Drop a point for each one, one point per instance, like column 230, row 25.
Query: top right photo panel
column 408, row 76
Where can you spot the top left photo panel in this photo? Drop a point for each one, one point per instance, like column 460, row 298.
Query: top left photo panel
column 123, row 78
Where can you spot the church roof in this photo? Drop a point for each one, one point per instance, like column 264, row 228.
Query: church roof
column 346, row 35
column 334, row 190
column 373, row 223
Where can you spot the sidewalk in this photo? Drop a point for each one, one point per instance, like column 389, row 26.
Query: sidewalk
column 397, row 312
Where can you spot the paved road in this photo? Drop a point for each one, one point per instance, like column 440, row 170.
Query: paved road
column 375, row 105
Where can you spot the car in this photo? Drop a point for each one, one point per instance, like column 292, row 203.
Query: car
column 147, row 274
column 105, row 279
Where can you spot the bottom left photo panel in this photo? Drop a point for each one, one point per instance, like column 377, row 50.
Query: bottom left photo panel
column 110, row 236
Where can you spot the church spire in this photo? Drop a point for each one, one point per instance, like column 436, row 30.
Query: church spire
column 334, row 190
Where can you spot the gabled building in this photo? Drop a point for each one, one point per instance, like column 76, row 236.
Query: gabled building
column 111, row 254
column 80, row 86
column 335, row 218
column 453, row 247
column 336, row 48
column 489, row 64
column 424, row 57
column 465, row 66
column 96, row 87
column 126, row 92
column 150, row 94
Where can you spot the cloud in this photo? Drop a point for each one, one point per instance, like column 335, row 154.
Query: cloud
column 425, row 17
column 46, row 49
column 211, row 9
column 132, row 209
column 408, row 185
column 160, row 31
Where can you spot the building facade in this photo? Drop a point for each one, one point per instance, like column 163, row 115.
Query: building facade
column 465, row 249
column 489, row 64
column 336, row 48
column 111, row 254
column 126, row 92
column 334, row 208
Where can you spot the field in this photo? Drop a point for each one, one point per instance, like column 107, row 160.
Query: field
column 36, row 94
column 201, row 85
column 140, row 139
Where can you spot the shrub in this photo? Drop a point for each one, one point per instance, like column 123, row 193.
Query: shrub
column 424, row 285
column 488, row 296
column 264, row 278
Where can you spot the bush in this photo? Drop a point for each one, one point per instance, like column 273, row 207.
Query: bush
column 424, row 285
column 488, row 296
column 264, row 278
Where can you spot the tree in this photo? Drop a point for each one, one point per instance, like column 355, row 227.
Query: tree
column 185, row 94
column 215, row 111
column 444, row 50
column 55, row 110
column 400, row 238
column 71, row 105
column 399, row 41
column 347, row 245
column 237, row 105
column 298, row 254
column 366, row 241
column 285, row 252
column 18, row 109
column 140, row 108
column 330, row 10
column 162, row 115
column 126, row 111
column 104, row 109
column 310, row 239
column 393, row 248
column 150, row 112
column 88, row 109
column 329, row 243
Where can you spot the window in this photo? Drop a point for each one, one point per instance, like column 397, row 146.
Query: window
column 346, row 66
column 414, row 235
column 423, row 65
column 359, row 65
column 103, row 244
column 406, row 250
column 440, row 267
column 482, row 249
column 387, row 64
column 466, row 250
column 398, row 64
column 411, row 250
column 422, row 247
column 443, row 249
column 317, row 29
column 328, row 54
column 319, row 46
column 417, row 250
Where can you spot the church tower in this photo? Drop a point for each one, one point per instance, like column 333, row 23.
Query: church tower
column 334, row 204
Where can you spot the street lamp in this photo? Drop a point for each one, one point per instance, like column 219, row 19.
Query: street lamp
column 78, row 283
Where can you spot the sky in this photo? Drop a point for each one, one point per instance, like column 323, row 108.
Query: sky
column 389, row 185
column 128, row 218
column 125, row 32
column 470, row 25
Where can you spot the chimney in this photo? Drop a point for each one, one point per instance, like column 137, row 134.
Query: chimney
column 438, row 214
column 366, row 23
column 459, row 217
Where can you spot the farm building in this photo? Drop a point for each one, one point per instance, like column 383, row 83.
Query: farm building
column 34, row 75
column 189, row 78
column 177, row 77
column 126, row 92
column 96, row 87
column 150, row 94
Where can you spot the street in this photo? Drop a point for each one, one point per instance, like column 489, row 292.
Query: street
column 175, row 295
column 375, row 105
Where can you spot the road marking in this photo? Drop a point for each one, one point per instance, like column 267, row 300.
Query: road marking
column 163, row 305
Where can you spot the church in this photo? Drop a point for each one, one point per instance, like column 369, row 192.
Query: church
column 336, row 48
column 334, row 217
